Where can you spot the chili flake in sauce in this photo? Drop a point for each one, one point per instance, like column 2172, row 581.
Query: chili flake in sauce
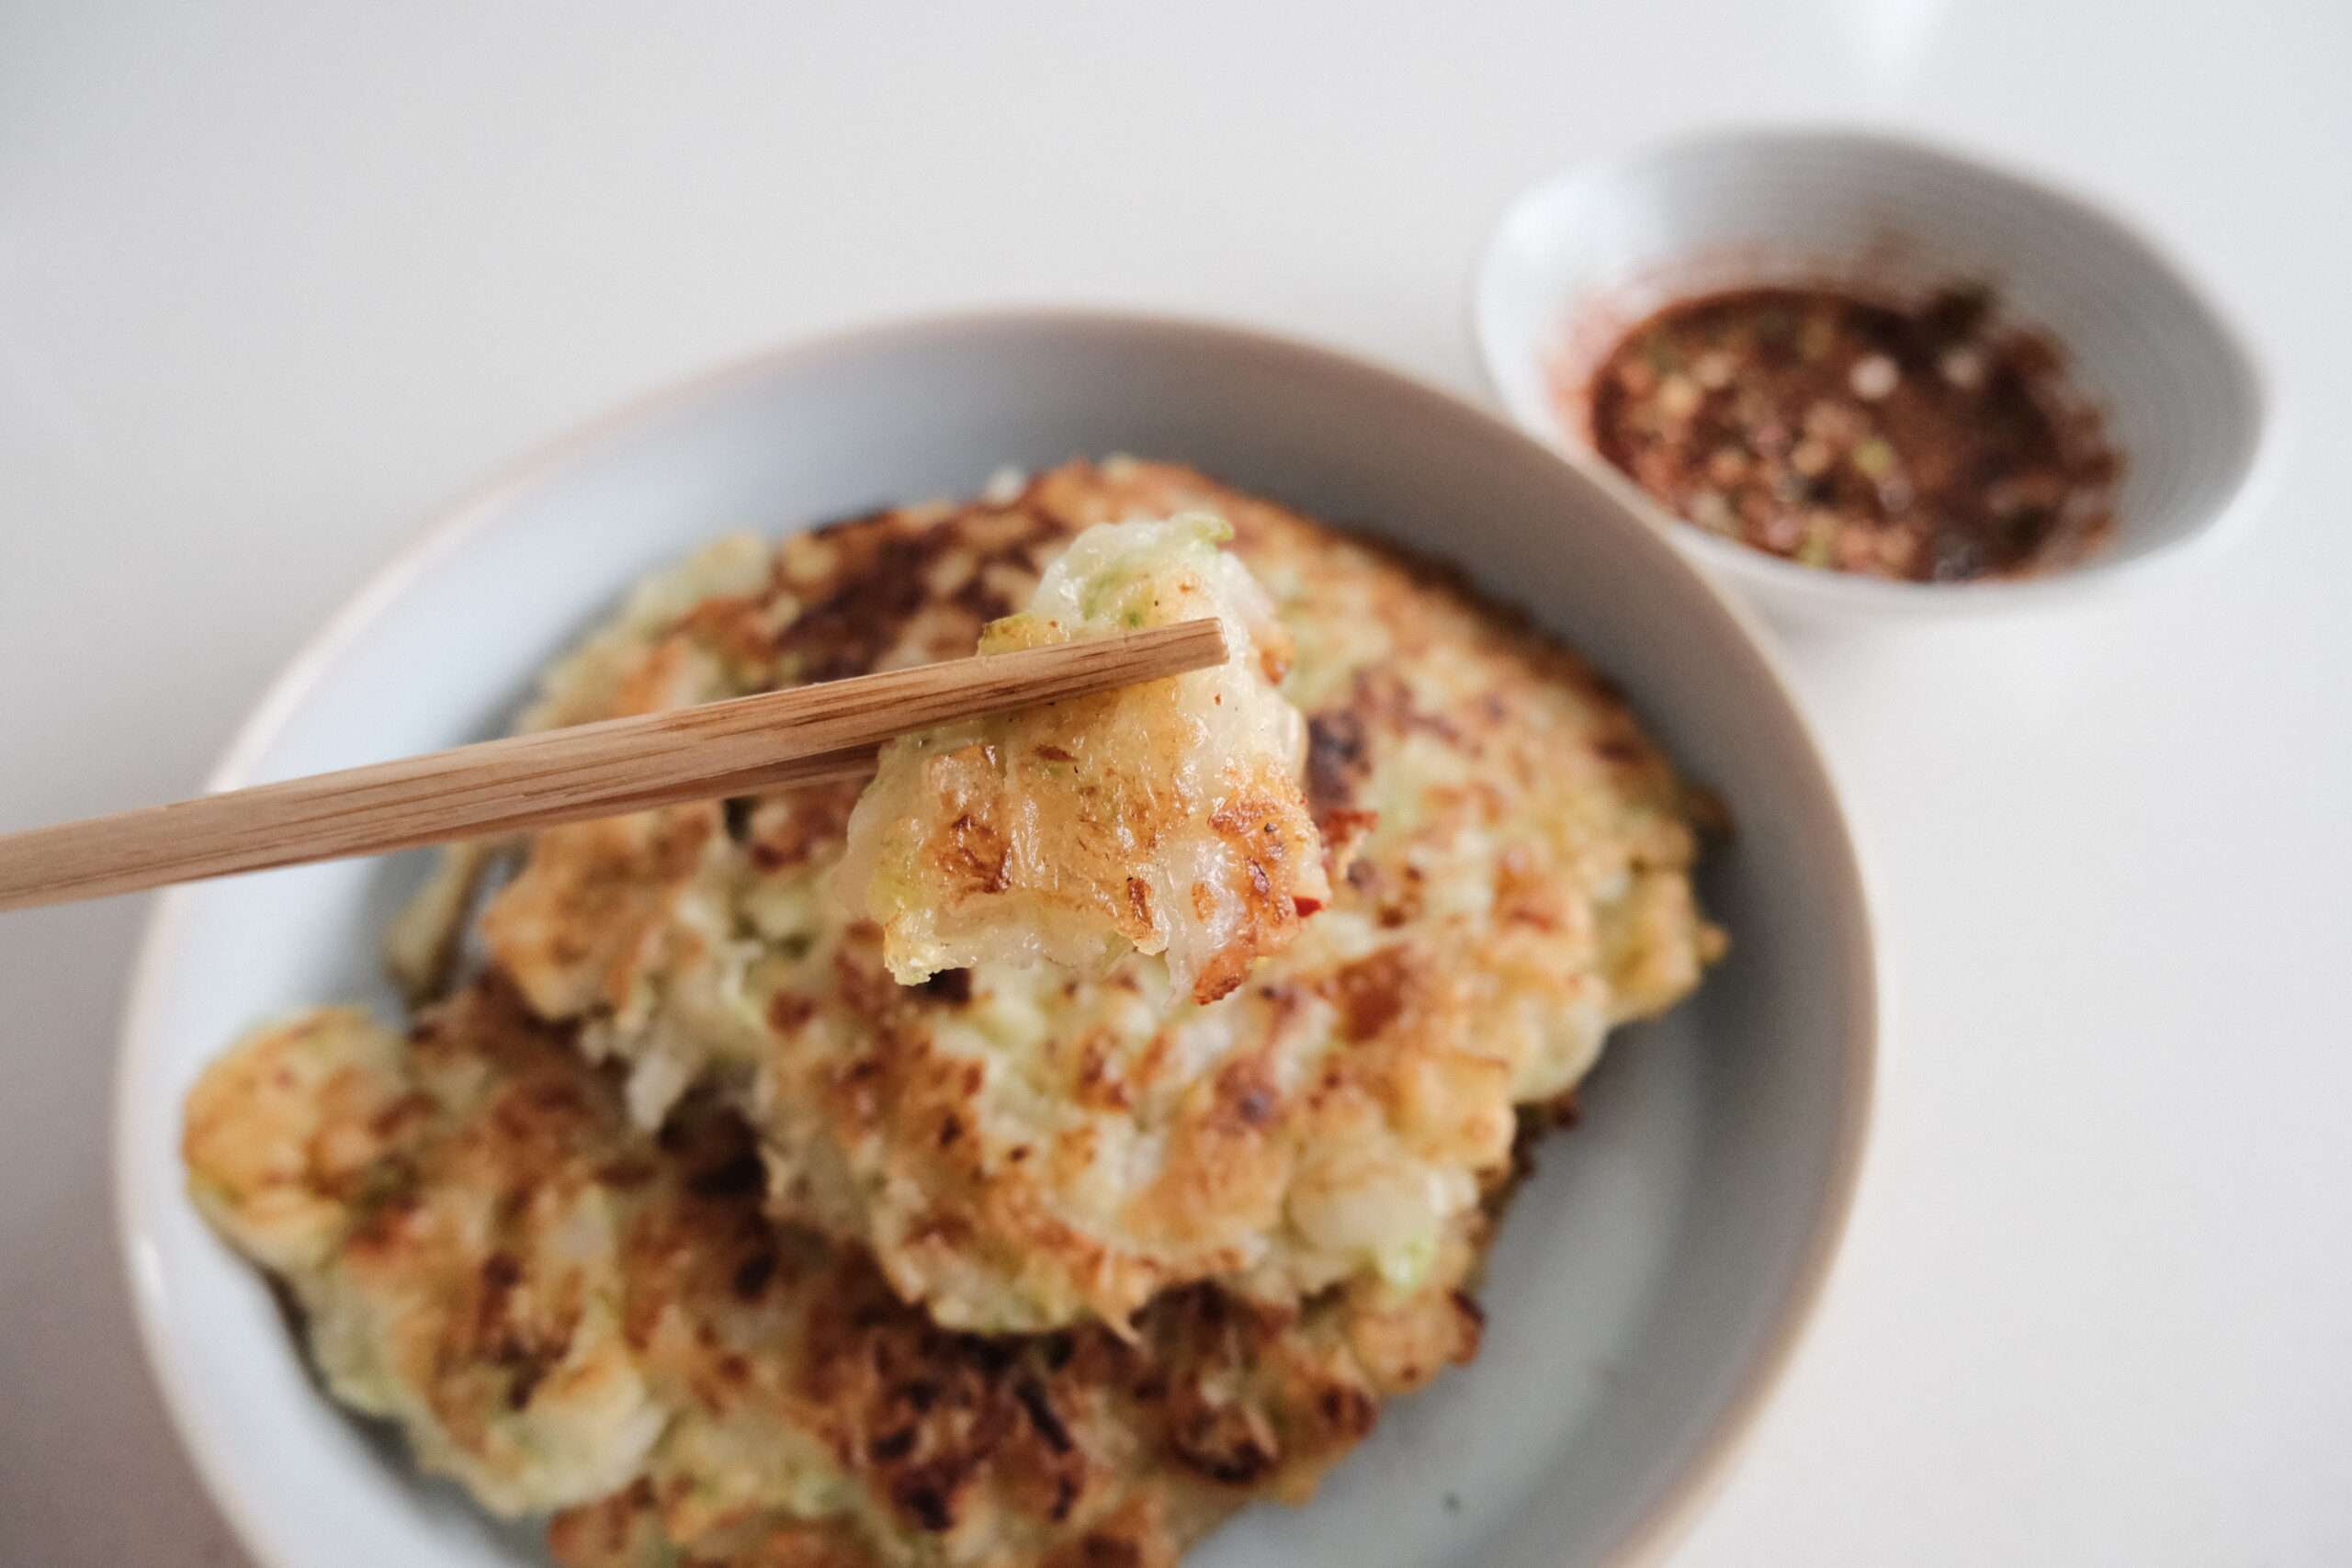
column 1848, row 433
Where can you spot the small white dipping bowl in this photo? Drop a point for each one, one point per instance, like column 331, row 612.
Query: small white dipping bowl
column 1586, row 255
column 1651, row 1277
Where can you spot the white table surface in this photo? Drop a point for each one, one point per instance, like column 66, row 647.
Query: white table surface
column 277, row 280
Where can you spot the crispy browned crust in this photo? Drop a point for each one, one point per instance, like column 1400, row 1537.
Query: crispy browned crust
column 590, row 913
column 1278, row 878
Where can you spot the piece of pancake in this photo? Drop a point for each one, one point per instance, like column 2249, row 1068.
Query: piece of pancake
column 1168, row 817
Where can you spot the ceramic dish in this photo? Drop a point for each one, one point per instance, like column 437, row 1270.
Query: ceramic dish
column 1583, row 256
column 1650, row 1282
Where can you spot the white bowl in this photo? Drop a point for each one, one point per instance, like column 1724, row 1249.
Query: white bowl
column 1651, row 1280
column 1583, row 256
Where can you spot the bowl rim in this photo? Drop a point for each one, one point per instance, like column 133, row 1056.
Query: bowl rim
column 2223, row 525
column 448, row 526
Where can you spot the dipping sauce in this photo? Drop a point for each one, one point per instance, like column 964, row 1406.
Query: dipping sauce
column 1840, row 432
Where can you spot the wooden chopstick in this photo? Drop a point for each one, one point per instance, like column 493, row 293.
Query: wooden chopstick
column 776, row 740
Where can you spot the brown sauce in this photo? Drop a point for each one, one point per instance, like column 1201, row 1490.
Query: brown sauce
column 1916, row 442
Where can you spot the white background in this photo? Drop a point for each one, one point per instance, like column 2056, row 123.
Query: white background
column 275, row 281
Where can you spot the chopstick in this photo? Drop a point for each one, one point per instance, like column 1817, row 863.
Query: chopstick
column 776, row 740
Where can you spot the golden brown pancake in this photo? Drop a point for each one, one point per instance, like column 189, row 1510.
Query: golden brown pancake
column 565, row 1312
column 1021, row 1146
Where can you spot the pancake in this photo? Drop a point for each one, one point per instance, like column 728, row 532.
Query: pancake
column 566, row 1313
column 1021, row 1147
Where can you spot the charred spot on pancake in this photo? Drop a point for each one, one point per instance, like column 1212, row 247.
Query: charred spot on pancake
column 952, row 986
